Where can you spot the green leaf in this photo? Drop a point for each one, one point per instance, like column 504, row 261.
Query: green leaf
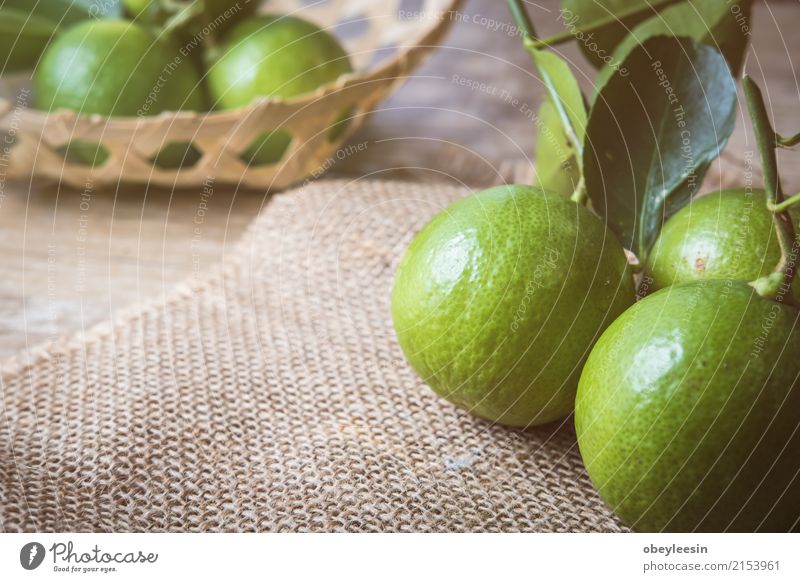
column 565, row 96
column 724, row 25
column 600, row 25
column 22, row 39
column 557, row 168
column 652, row 135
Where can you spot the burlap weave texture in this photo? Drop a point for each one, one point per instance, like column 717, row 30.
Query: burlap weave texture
column 272, row 396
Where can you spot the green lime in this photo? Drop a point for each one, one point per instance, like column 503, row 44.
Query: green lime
column 725, row 235
column 273, row 56
column 499, row 299
column 177, row 155
column 114, row 68
column 688, row 411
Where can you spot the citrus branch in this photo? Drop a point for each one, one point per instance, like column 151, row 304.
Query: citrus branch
column 620, row 15
column 524, row 23
column 785, row 205
column 523, row 20
column 580, row 195
column 766, row 141
column 787, row 142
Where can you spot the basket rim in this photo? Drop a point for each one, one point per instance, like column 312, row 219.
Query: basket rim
column 423, row 41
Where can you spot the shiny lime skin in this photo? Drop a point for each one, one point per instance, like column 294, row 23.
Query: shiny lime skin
column 273, row 56
column 725, row 235
column 114, row 68
column 499, row 299
column 688, row 411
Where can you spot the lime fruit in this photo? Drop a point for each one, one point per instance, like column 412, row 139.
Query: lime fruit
column 688, row 411
column 273, row 56
column 114, row 68
column 725, row 235
column 499, row 299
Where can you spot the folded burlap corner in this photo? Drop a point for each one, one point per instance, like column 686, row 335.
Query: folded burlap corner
column 273, row 397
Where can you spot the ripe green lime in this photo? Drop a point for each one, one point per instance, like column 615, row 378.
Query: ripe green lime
column 114, row 68
column 725, row 235
column 273, row 56
column 499, row 299
column 688, row 411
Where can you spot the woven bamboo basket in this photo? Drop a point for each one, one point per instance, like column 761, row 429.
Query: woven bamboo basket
column 386, row 40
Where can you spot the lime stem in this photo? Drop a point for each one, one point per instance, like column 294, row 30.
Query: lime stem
column 788, row 142
column 766, row 141
column 620, row 16
column 549, row 84
column 785, row 205
column 554, row 40
column 523, row 20
column 528, row 41
column 580, row 196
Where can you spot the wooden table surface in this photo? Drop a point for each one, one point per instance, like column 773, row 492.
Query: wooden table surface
column 69, row 260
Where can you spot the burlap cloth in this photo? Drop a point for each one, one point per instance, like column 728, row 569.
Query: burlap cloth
column 272, row 396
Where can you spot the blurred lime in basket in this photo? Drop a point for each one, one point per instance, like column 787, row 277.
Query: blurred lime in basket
column 274, row 56
column 216, row 16
column 116, row 68
column 139, row 8
column 27, row 26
